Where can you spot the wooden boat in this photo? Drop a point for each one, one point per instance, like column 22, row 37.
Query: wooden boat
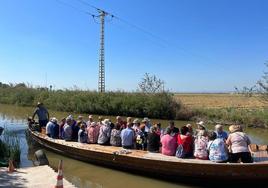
column 156, row 164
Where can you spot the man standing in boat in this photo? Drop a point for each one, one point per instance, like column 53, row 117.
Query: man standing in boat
column 42, row 113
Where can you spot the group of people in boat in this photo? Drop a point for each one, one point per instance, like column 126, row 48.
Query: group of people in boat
column 217, row 145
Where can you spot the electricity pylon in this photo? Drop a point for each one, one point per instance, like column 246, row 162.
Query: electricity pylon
column 101, row 87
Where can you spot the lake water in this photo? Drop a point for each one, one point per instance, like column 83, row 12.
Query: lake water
column 86, row 175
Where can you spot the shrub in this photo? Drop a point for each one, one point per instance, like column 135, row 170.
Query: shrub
column 154, row 105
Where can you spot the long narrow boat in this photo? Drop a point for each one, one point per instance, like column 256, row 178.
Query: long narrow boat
column 156, row 164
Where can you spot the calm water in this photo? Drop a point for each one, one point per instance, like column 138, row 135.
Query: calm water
column 86, row 175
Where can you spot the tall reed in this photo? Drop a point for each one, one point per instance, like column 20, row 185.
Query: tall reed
column 157, row 105
column 10, row 147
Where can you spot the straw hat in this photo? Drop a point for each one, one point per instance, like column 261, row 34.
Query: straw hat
column 235, row 128
column 143, row 121
column 136, row 121
column 106, row 122
column 201, row 123
column 146, row 119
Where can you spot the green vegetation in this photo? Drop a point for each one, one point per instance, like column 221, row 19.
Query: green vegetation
column 227, row 108
column 10, row 147
column 220, row 108
column 249, row 117
column 154, row 105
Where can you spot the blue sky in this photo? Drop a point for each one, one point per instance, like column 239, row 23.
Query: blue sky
column 198, row 45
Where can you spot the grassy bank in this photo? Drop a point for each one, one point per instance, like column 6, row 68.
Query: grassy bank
column 249, row 117
column 224, row 108
column 160, row 105
column 227, row 108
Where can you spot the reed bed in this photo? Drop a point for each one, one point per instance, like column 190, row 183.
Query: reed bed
column 10, row 147
column 157, row 105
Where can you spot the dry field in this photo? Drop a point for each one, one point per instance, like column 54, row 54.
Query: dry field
column 220, row 101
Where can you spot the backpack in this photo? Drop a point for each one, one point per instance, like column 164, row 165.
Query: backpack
column 180, row 151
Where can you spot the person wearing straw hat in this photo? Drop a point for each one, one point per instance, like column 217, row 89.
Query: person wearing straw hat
column 105, row 132
column 42, row 114
column 147, row 123
column 136, row 125
column 200, row 127
column 200, row 145
column 238, row 143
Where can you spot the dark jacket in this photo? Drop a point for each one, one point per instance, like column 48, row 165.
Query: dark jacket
column 153, row 142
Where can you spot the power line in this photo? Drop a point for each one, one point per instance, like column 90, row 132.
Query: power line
column 139, row 28
column 74, row 8
column 124, row 21
column 88, row 4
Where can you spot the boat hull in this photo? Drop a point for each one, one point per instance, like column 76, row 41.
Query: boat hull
column 155, row 164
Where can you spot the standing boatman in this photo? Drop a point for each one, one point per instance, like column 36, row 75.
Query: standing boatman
column 42, row 113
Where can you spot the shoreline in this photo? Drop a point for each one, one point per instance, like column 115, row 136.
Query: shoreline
column 31, row 177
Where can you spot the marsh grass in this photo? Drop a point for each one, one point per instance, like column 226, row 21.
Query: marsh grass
column 226, row 108
column 249, row 117
column 157, row 105
column 10, row 147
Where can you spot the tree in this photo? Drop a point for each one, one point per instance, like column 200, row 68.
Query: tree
column 247, row 91
column 263, row 85
column 151, row 84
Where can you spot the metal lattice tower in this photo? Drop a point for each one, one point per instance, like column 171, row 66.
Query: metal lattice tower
column 101, row 60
